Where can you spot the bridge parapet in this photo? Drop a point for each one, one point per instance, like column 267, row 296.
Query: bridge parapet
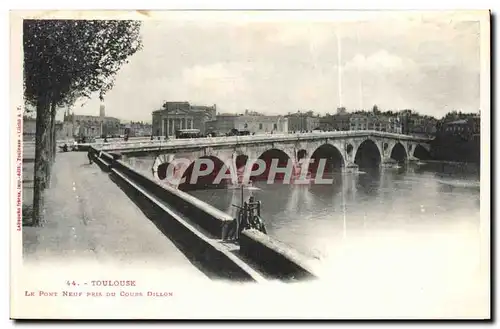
column 209, row 218
column 239, row 140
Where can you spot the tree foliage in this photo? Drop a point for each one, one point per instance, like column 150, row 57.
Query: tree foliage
column 65, row 60
column 68, row 59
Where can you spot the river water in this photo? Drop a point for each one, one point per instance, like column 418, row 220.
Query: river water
column 403, row 219
column 315, row 219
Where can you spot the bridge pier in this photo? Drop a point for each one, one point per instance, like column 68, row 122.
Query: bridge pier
column 388, row 162
column 350, row 167
column 412, row 159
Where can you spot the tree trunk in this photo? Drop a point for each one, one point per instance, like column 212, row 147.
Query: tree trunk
column 53, row 132
column 51, row 143
column 41, row 157
column 54, row 140
column 49, row 148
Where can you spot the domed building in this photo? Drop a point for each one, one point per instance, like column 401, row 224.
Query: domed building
column 181, row 115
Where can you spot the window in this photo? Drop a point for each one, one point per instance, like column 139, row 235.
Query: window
column 275, row 126
column 260, row 126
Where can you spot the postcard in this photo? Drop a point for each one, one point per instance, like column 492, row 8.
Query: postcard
column 250, row 165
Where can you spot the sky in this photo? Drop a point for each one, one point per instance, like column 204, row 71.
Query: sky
column 276, row 65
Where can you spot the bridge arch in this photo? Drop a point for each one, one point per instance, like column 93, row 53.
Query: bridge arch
column 421, row 153
column 398, row 153
column 268, row 156
column 330, row 155
column 160, row 165
column 208, row 180
column 161, row 170
column 368, row 154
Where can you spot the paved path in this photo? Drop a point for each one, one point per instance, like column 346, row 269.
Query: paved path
column 89, row 217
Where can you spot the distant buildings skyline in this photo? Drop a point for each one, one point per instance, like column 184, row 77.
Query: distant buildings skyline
column 148, row 119
column 426, row 61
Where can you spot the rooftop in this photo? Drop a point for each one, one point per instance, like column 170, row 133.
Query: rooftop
column 457, row 122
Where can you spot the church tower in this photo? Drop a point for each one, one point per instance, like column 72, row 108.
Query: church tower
column 68, row 115
column 102, row 111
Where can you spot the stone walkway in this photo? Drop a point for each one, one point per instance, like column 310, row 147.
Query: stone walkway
column 87, row 216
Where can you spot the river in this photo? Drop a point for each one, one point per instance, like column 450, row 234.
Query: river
column 315, row 219
column 410, row 218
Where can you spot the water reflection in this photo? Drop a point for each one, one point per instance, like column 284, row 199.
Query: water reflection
column 369, row 183
column 321, row 219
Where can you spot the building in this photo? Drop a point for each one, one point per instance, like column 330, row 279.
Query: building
column 67, row 130
column 370, row 121
column 29, row 130
column 465, row 127
column 458, row 140
column 303, row 122
column 391, row 124
column 75, row 125
column 360, row 121
column 341, row 121
column 136, row 129
column 418, row 125
column 181, row 115
column 336, row 122
column 60, row 134
column 255, row 124
column 423, row 126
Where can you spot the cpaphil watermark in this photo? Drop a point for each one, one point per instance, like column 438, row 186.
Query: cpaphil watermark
column 291, row 173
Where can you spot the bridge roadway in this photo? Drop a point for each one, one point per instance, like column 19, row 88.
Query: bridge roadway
column 88, row 217
column 145, row 145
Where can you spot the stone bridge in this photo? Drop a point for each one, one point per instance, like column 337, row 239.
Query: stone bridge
column 342, row 150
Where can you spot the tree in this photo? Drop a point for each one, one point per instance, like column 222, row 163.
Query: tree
column 65, row 60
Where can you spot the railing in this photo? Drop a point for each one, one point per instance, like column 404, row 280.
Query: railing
column 232, row 140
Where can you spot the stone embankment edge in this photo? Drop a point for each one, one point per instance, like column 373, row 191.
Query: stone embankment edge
column 275, row 258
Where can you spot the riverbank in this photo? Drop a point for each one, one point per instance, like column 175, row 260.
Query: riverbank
column 88, row 218
column 449, row 162
column 456, row 148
